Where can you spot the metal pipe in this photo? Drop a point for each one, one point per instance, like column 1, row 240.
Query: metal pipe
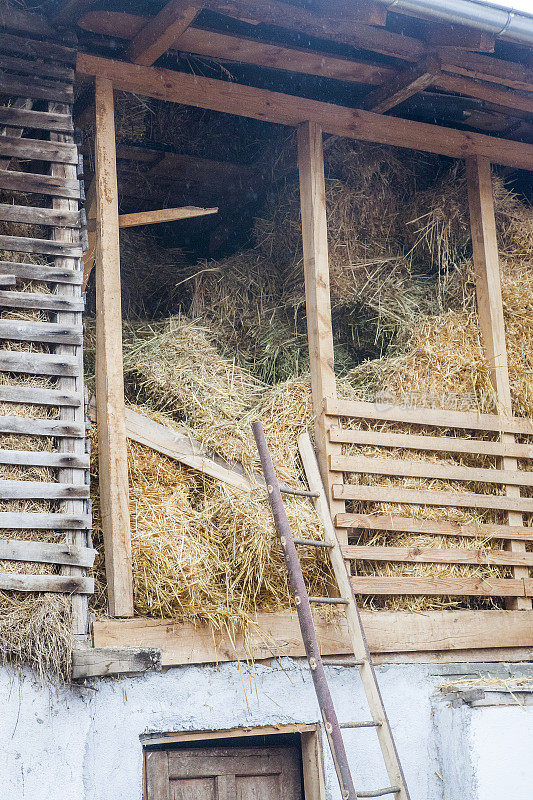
column 503, row 22
column 303, row 607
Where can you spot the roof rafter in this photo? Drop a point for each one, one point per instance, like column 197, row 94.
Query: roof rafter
column 161, row 31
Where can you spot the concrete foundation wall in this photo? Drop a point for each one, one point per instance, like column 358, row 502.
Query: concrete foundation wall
column 83, row 743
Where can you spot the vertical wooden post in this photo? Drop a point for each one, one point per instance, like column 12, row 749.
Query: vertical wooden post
column 491, row 321
column 317, row 299
column 112, row 452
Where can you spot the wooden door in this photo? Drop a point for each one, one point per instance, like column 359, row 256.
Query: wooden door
column 224, row 773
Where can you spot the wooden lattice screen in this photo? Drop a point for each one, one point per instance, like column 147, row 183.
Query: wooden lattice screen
column 41, row 303
column 373, row 448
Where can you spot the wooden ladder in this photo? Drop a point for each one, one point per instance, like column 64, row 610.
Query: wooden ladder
column 346, row 600
column 39, row 157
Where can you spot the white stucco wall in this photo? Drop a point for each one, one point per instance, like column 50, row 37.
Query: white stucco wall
column 83, row 744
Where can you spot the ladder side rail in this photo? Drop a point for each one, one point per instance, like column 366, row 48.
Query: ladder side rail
column 355, row 626
column 303, row 608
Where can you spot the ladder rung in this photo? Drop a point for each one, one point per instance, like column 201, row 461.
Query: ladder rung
column 297, row 492
column 331, row 600
column 365, row 724
column 312, row 543
column 379, row 792
column 348, row 663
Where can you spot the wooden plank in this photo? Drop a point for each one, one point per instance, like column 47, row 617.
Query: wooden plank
column 242, row 49
column 47, row 50
column 491, row 317
column 279, row 634
column 46, row 583
column 443, row 34
column 389, row 494
column 20, row 20
column 39, row 427
column 402, row 86
column 507, row 98
column 416, row 415
column 39, row 216
column 161, row 31
column 46, row 553
column 40, row 300
column 228, row 733
column 23, row 244
column 455, row 587
column 38, row 150
column 233, row 98
column 482, row 67
column 387, row 522
column 7, row 280
column 37, row 88
column 19, row 520
column 40, row 184
column 433, row 555
column 424, row 469
column 37, row 396
column 42, row 68
column 113, row 462
column 162, row 215
column 37, row 363
column 317, row 292
column 40, row 458
column 53, row 332
column 444, row 444
column 39, row 120
column 24, row 490
column 178, row 446
column 37, row 272
column 97, row 662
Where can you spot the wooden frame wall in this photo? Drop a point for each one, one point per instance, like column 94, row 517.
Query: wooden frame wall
column 312, row 118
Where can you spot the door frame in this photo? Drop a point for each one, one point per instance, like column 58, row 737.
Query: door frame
column 310, row 737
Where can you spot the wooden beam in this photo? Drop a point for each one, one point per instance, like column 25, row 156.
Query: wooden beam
column 444, row 34
column 492, row 323
column 317, row 293
column 226, row 47
column 403, row 85
column 161, row 31
column 485, row 68
column 279, row 634
column 97, row 662
column 247, row 101
column 163, row 215
column 113, row 463
column 506, row 98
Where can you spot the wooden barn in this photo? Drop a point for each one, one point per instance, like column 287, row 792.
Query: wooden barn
column 266, row 399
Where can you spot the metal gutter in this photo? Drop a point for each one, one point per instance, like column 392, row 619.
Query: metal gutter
column 506, row 23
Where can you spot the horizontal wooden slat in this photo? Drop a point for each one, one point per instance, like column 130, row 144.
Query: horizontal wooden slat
column 444, row 444
column 28, row 490
column 38, row 150
column 433, row 555
column 39, row 363
column 46, row 553
column 390, row 494
column 41, row 427
column 35, row 49
column 46, row 583
column 279, row 634
column 7, row 280
column 38, row 458
column 40, row 300
column 39, row 216
column 54, row 332
column 14, row 19
column 440, row 418
column 36, row 89
column 46, row 69
column 387, row 522
column 23, row 244
column 38, row 396
column 470, row 587
column 95, row 662
column 37, row 272
column 426, row 469
column 40, row 184
column 20, row 520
